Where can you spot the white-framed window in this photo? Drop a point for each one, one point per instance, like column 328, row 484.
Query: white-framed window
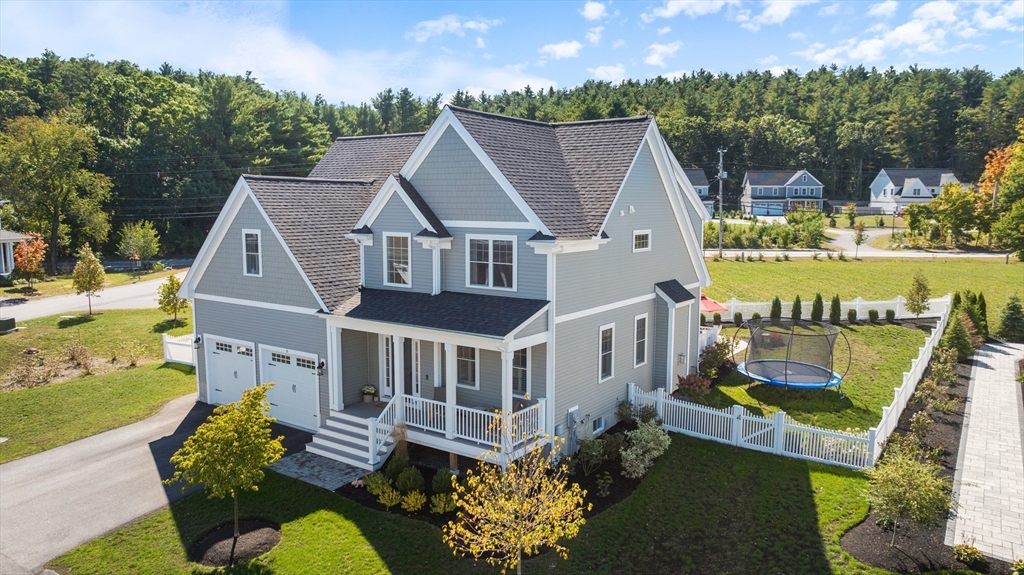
column 468, row 367
column 606, row 352
column 639, row 340
column 397, row 260
column 252, row 248
column 597, row 425
column 775, row 191
column 521, row 372
column 491, row 262
column 805, row 177
column 641, row 241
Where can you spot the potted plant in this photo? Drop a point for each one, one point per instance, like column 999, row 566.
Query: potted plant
column 368, row 392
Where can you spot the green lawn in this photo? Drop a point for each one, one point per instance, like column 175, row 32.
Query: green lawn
column 869, row 279
column 870, row 222
column 704, row 508
column 61, row 285
column 45, row 417
column 102, row 333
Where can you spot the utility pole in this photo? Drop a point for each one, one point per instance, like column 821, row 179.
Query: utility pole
column 721, row 199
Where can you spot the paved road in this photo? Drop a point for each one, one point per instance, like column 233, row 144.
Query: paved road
column 131, row 296
column 990, row 466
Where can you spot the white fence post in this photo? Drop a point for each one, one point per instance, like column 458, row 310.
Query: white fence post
column 737, row 424
column 659, row 403
column 373, row 440
column 630, row 392
column 871, row 446
column 780, row 432
column 857, row 302
column 899, row 306
column 166, row 351
column 732, row 306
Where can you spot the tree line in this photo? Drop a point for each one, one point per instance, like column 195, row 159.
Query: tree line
column 167, row 145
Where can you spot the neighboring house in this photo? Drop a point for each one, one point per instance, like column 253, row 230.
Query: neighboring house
column 777, row 192
column 895, row 188
column 699, row 181
column 489, row 265
column 7, row 241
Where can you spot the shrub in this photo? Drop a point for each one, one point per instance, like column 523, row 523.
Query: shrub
column 625, row 411
column 755, row 316
column 395, row 466
column 613, row 444
column 78, row 355
column 828, row 255
column 629, row 413
column 646, row 443
column 375, row 482
column 968, row 554
column 442, row 482
column 817, row 308
column 920, row 423
column 957, row 338
column 835, row 311
column 604, row 485
column 851, row 316
column 797, row 313
column 703, row 319
column 157, row 266
column 881, row 222
column 778, row 258
column 785, row 256
column 646, row 414
column 694, row 385
column 713, row 358
column 1011, row 320
column 890, row 315
column 409, row 480
column 442, row 503
column 737, row 319
column 389, row 497
column 760, row 257
column 131, row 351
column 929, row 391
column 944, row 366
column 873, row 315
column 717, row 319
column 414, row 501
column 842, row 256
column 903, row 487
column 1018, row 567
column 776, row 310
column 590, row 456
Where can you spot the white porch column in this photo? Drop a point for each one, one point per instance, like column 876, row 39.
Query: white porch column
column 451, row 375
column 671, row 360
column 399, row 362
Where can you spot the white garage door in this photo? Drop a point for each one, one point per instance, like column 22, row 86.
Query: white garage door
column 294, row 400
column 230, row 367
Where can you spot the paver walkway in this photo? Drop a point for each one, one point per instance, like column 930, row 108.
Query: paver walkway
column 990, row 467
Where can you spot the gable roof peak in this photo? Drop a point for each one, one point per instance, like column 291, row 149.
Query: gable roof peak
column 550, row 124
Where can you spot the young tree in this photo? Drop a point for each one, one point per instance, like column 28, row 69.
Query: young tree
column 88, row 277
column 859, row 237
column 504, row 514
column 957, row 337
column 1008, row 231
column 954, row 209
column 28, row 257
column 917, row 297
column 139, row 241
column 901, row 487
column 917, row 216
column 797, row 312
column 835, row 311
column 1011, row 320
column 775, row 313
column 229, row 452
column 168, row 297
column 817, row 308
column 851, row 213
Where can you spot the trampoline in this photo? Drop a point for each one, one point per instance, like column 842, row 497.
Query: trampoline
column 799, row 356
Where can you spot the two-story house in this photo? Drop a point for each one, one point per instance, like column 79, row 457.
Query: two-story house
column 895, row 188
column 772, row 193
column 699, row 181
column 492, row 269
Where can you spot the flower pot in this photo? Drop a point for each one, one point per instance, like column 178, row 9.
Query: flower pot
column 367, row 398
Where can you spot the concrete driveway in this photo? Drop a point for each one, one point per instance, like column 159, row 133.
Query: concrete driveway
column 131, row 296
column 54, row 501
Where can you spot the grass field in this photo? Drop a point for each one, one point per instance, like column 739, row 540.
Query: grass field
column 45, row 417
column 869, row 279
column 704, row 508
column 62, row 284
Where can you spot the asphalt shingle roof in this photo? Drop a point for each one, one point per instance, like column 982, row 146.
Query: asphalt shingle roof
column 313, row 215
column 773, row 178
column 366, row 157
column 931, row 177
column 675, row 290
column 488, row 315
column 421, row 205
column 696, row 176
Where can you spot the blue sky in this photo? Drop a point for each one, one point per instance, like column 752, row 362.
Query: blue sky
column 349, row 51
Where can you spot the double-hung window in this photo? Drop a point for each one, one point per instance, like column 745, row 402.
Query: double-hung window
column 397, row 263
column 642, row 240
column 775, row 191
column 606, row 355
column 521, row 372
column 640, row 340
column 491, row 262
column 468, row 367
column 253, row 254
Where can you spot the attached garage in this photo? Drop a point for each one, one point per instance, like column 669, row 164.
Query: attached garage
column 294, row 399
column 231, row 368
column 767, row 209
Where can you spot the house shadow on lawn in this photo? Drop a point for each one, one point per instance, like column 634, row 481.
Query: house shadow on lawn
column 76, row 320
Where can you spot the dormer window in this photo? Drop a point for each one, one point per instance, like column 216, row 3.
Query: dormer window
column 805, row 177
column 397, row 265
column 491, row 262
column 253, row 255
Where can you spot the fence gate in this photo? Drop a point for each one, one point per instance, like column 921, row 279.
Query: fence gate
column 756, row 432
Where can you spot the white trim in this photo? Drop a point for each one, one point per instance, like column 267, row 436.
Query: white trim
column 647, row 332
column 214, row 238
column 649, row 239
column 208, row 348
column 408, row 247
column 529, row 341
column 603, row 308
column 258, row 304
column 529, row 320
column 566, row 246
column 490, row 239
column 670, row 355
column 334, row 383
column 604, row 422
column 600, row 332
column 476, row 368
column 383, row 341
column 438, row 352
column 429, row 334
column 259, row 253
column 529, row 371
column 671, row 302
column 447, row 118
column 388, row 189
column 488, row 225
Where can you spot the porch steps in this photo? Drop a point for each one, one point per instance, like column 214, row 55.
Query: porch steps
column 346, row 438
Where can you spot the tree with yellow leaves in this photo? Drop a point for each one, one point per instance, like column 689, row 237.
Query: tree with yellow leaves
column 504, row 514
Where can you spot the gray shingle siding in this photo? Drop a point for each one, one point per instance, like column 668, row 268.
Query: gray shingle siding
column 355, row 363
column 396, row 218
column 539, row 325
column 531, row 267
column 489, row 394
column 281, row 282
column 458, row 187
column 299, row 332
column 539, row 370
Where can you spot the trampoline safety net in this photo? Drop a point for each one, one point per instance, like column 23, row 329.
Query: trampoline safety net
column 801, row 354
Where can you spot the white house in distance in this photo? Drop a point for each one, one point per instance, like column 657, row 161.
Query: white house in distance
column 699, row 181
column 7, row 241
column 772, row 193
column 895, row 188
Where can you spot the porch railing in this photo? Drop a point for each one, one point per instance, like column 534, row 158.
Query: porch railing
column 477, row 425
column 427, row 414
column 381, row 428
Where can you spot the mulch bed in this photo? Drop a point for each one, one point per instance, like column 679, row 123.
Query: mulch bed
column 920, row 549
column 256, row 538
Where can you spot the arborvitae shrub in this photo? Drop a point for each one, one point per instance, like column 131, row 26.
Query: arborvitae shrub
column 1011, row 320
column 817, row 308
column 776, row 312
column 835, row 311
column 755, row 316
column 737, row 319
column 717, row 319
column 703, row 319
column 797, row 309
column 851, row 316
column 890, row 315
column 957, row 338
column 873, row 315
column 442, row 482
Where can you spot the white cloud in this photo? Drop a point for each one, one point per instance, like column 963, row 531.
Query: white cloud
column 967, row 32
column 938, row 11
column 480, row 42
column 594, row 11
column 608, row 73
column 768, row 60
column 656, row 53
column 450, row 24
column 830, row 10
column 1002, row 18
column 797, row 36
column 567, row 49
column 618, row 43
column 675, row 75
column 883, row 9
column 692, row 8
column 665, row 30
column 594, row 34
column 775, row 12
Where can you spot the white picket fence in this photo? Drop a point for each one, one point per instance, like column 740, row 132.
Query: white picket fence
column 178, row 349
column 937, row 307
column 707, row 337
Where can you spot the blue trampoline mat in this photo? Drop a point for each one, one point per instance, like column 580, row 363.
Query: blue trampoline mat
column 795, row 374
